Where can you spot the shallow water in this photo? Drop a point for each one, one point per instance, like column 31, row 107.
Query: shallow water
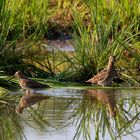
column 74, row 113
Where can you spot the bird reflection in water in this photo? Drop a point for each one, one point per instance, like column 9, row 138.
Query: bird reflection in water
column 107, row 97
column 29, row 99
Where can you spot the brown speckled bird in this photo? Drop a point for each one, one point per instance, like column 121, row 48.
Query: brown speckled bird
column 29, row 84
column 106, row 76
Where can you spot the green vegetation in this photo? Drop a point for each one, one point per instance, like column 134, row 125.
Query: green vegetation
column 98, row 29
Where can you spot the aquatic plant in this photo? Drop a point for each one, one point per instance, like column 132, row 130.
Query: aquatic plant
column 98, row 30
column 96, row 41
column 20, row 24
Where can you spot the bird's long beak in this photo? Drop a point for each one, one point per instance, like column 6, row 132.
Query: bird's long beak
column 11, row 78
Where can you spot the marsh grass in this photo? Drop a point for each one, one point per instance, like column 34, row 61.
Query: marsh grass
column 20, row 21
column 96, row 41
column 7, row 84
column 98, row 30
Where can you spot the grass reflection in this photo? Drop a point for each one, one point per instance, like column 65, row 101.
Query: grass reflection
column 11, row 122
column 36, row 116
column 102, row 113
column 95, row 114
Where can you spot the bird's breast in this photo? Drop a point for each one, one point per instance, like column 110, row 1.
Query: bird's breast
column 23, row 84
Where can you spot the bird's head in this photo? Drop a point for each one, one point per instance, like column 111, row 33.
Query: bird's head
column 112, row 58
column 19, row 74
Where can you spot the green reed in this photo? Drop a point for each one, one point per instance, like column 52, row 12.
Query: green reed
column 21, row 22
column 98, row 36
column 98, row 30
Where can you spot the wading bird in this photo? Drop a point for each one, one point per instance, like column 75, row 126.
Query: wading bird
column 106, row 76
column 28, row 84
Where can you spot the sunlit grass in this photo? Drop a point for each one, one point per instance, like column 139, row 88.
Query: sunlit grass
column 98, row 30
column 96, row 41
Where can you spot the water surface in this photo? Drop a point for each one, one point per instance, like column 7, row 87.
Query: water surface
column 73, row 113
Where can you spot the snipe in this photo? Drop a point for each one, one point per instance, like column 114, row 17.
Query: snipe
column 29, row 84
column 106, row 76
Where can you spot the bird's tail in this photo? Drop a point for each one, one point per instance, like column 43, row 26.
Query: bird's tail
column 92, row 80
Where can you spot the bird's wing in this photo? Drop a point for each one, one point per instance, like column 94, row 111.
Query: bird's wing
column 32, row 84
column 100, row 76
